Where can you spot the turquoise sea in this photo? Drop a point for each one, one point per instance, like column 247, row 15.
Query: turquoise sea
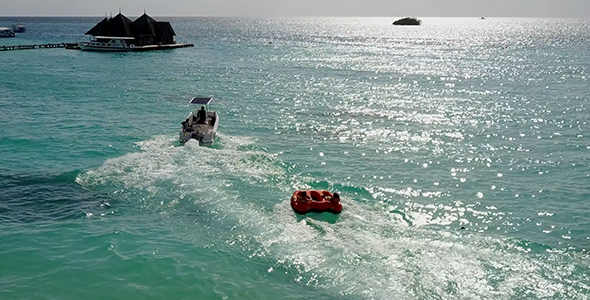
column 461, row 149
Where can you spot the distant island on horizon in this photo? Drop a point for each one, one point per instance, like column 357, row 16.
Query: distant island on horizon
column 101, row 16
column 408, row 21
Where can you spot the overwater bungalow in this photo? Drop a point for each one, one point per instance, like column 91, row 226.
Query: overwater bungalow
column 119, row 33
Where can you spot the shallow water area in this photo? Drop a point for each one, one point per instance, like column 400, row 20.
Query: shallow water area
column 459, row 148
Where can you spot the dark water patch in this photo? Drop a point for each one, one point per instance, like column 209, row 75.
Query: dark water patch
column 28, row 198
column 68, row 177
column 26, row 179
column 327, row 217
column 17, row 142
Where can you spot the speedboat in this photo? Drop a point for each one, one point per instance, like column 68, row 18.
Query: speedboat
column 19, row 28
column 6, row 32
column 200, row 124
column 109, row 43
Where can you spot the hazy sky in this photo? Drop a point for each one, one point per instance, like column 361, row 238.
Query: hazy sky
column 280, row 8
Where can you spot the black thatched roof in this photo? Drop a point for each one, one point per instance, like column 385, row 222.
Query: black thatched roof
column 96, row 29
column 143, row 26
column 119, row 25
column 162, row 27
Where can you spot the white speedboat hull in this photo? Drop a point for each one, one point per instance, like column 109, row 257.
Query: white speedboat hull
column 105, row 43
column 114, row 49
column 6, row 32
column 204, row 133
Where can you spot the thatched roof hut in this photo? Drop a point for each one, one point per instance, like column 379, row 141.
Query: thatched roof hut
column 144, row 29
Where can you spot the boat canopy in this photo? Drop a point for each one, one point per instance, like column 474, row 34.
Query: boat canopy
column 115, row 37
column 197, row 100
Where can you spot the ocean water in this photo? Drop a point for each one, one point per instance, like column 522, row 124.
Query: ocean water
column 460, row 148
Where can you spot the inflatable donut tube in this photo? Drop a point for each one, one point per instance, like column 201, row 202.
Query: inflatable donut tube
column 304, row 202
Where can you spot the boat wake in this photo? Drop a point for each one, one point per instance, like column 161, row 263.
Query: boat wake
column 365, row 252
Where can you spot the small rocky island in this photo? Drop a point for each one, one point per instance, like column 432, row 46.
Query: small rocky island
column 408, row 21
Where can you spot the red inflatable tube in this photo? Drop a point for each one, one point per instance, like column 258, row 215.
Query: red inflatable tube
column 304, row 202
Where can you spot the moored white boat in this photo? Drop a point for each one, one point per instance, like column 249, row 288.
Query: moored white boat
column 109, row 43
column 200, row 124
column 6, row 32
column 19, row 28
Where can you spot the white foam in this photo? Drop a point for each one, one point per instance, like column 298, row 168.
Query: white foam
column 374, row 254
column 161, row 166
column 366, row 251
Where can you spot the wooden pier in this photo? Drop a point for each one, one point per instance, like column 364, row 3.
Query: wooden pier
column 39, row 46
column 76, row 46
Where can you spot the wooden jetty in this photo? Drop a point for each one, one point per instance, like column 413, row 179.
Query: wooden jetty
column 76, row 46
column 132, row 49
column 38, row 46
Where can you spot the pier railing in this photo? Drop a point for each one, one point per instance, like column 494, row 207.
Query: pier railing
column 38, row 46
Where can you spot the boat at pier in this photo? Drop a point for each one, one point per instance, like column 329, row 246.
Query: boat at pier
column 19, row 28
column 6, row 32
column 109, row 43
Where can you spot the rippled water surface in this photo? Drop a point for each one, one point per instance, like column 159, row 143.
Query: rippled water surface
column 460, row 148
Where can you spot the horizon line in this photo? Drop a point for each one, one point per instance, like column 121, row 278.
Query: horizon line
column 301, row 16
